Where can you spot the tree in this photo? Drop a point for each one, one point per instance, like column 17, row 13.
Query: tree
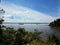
column 55, row 23
column 1, row 30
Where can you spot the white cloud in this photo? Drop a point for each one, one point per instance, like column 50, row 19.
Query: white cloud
column 25, row 14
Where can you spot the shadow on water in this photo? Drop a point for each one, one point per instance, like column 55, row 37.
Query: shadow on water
column 56, row 31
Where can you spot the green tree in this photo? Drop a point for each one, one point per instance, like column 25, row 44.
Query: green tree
column 55, row 23
column 1, row 30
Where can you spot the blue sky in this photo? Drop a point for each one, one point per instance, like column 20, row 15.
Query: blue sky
column 47, row 7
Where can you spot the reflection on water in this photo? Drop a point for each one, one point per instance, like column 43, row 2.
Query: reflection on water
column 47, row 30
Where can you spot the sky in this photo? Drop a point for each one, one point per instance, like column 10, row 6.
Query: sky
column 30, row 10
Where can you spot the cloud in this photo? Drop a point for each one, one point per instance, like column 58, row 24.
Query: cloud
column 15, row 13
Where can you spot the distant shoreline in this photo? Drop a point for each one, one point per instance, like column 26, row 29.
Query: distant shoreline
column 24, row 23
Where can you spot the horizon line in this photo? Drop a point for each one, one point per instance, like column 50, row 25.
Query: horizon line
column 25, row 23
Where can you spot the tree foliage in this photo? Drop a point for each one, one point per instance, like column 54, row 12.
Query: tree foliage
column 55, row 23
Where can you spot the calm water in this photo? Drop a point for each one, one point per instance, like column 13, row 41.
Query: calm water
column 47, row 30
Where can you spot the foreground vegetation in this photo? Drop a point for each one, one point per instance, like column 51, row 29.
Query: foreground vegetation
column 10, row 36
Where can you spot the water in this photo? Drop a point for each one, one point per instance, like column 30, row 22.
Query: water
column 47, row 30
